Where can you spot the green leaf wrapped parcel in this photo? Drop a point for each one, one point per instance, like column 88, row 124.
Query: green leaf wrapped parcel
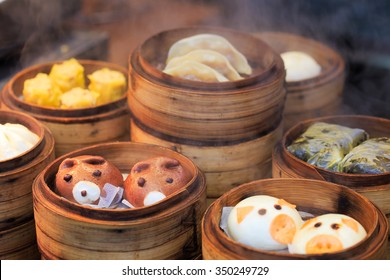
column 370, row 157
column 325, row 145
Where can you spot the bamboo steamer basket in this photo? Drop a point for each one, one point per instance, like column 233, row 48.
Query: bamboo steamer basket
column 313, row 196
column 217, row 125
column 313, row 97
column 208, row 112
column 226, row 166
column 72, row 128
column 17, row 229
column 374, row 187
column 169, row 229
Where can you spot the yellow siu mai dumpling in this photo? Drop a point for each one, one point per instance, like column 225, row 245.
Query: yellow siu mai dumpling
column 264, row 222
column 42, row 91
column 78, row 98
column 211, row 42
column 68, row 74
column 196, row 71
column 210, row 58
column 110, row 85
column 327, row 233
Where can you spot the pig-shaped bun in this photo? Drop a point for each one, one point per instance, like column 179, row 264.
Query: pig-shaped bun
column 327, row 234
column 264, row 222
column 154, row 179
column 81, row 179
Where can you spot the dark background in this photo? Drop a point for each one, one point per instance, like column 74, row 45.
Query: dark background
column 34, row 31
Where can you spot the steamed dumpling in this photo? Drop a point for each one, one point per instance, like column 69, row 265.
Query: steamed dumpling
column 211, row 42
column 264, row 222
column 300, row 66
column 67, row 75
column 41, row 90
column 327, row 234
column 78, row 98
column 196, row 71
column 15, row 139
column 210, row 58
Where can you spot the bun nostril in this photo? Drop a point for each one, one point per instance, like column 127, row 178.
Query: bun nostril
column 83, row 193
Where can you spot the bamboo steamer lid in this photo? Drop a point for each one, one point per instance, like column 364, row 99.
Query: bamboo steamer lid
column 169, row 229
column 313, row 196
column 72, row 128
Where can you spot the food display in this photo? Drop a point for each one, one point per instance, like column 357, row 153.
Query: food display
column 82, row 179
column 207, row 58
column 65, row 87
column 272, row 224
column 325, row 145
column 370, row 157
column 327, row 234
column 300, row 66
column 154, row 179
column 15, row 139
column 264, row 222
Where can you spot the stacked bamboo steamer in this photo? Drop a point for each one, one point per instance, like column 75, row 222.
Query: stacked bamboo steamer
column 312, row 97
column 17, row 228
column 169, row 229
column 313, row 196
column 72, row 128
column 228, row 129
column 374, row 187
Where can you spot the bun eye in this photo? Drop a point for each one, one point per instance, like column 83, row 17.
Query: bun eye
column 169, row 180
column 317, row 224
column 262, row 211
column 141, row 181
column 67, row 178
column 335, row 226
column 277, row 207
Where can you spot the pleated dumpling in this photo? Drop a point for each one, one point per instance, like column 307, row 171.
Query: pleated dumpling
column 195, row 71
column 210, row 58
column 211, row 42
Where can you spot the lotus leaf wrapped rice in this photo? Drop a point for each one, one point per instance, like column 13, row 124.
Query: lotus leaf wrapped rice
column 325, row 145
column 370, row 157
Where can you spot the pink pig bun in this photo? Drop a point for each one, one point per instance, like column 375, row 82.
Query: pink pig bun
column 154, row 179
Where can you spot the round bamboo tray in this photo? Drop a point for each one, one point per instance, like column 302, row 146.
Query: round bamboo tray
column 169, row 229
column 72, row 128
column 17, row 229
column 226, row 166
column 313, row 196
column 209, row 112
column 313, row 97
column 374, row 187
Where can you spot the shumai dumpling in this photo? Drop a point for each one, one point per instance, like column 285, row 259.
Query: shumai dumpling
column 68, row 75
column 110, row 84
column 196, row 71
column 210, row 58
column 41, row 90
column 78, row 98
column 211, row 42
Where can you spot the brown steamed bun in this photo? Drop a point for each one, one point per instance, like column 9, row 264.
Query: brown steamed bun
column 81, row 179
column 154, row 179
